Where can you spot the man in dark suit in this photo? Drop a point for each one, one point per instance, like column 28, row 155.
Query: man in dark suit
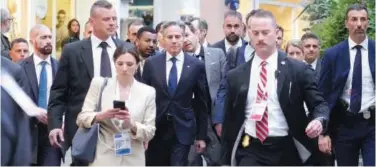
column 215, row 62
column 176, row 77
column 146, row 42
column 348, row 83
column 233, row 28
column 80, row 62
column 237, row 58
column 311, row 51
column 264, row 105
column 15, row 131
column 40, row 69
column 6, row 20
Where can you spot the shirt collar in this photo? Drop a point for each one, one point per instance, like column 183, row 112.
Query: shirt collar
column 364, row 44
column 238, row 44
column 179, row 57
column 198, row 50
column 37, row 60
column 272, row 59
column 205, row 44
column 95, row 41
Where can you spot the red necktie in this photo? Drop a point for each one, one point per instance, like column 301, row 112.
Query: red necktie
column 262, row 95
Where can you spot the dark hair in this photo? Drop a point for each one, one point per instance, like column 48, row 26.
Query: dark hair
column 250, row 14
column 61, row 12
column 137, row 22
column 357, row 7
column 281, row 29
column 100, row 4
column 190, row 26
column 71, row 33
column 295, row 43
column 310, row 35
column 145, row 29
column 173, row 23
column 234, row 14
column 159, row 26
column 260, row 13
column 123, row 49
column 202, row 24
column 16, row 41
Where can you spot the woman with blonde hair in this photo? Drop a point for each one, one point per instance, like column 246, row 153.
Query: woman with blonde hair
column 294, row 49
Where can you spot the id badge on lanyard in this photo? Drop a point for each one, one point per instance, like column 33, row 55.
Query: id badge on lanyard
column 258, row 109
column 122, row 143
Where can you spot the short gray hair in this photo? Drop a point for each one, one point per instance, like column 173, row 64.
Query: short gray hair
column 100, row 4
column 172, row 23
column 4, row 14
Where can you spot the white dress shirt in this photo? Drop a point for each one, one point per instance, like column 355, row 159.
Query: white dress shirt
column 248, row 52
column 97, row 54
column 237, row 45
column 179, row 64
column 277, row 124
column 205, row 44
column 368, row 89
column 313, row 64
column 38, row 68
column 198, row 50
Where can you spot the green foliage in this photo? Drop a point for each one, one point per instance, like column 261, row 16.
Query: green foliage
column 330, row 25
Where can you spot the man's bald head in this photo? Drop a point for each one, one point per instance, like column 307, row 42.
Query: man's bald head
column 36, row 31
column 41, row 38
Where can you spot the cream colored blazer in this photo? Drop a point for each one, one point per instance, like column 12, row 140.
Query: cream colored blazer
column 142, row 109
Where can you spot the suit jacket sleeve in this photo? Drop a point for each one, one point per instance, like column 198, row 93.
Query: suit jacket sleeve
column 221, row 93
column 146, row 128
column 59, row 91
column 86, row 117
column 325, row 82
column 227, row 123
column 146, row 73
column 23, row 142
column 314, row 100
column 201, row 93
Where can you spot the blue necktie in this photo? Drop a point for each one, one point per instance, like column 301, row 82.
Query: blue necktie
column 173, row 77
column 356, row 89
column 42, row 93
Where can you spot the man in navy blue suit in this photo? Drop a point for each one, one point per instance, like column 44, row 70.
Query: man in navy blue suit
column 15, row 132
column 40, row 69
column 177, row 77
column 347, row 82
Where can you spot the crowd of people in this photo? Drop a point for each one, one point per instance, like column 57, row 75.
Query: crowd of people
column 167, row 97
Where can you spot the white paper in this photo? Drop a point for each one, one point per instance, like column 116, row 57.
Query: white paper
column 18, row 95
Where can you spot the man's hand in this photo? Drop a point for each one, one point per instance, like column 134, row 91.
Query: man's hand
column 314, row 128
column 218, row 129
column 56, row 137
column 43, row 118
column 200, row 146
column 325, row 144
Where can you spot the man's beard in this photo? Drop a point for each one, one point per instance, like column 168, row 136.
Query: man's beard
column 232, row 38
column 47, row 50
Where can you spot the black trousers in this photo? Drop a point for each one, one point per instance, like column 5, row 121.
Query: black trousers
column 275, row 151
column 165, row 149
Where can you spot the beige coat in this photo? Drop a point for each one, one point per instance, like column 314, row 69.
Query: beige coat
column 142, row 108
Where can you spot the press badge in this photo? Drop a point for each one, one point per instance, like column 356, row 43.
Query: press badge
column 122, row 142
column 258, row 110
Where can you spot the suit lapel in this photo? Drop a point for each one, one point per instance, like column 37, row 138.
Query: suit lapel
column 241, row 98
column 371, row 58
column 87, row 56
column 162, row 73
column 208, row 61
column 32, row 75
column 54, row 65
column 282, row 72
column 345, row 58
